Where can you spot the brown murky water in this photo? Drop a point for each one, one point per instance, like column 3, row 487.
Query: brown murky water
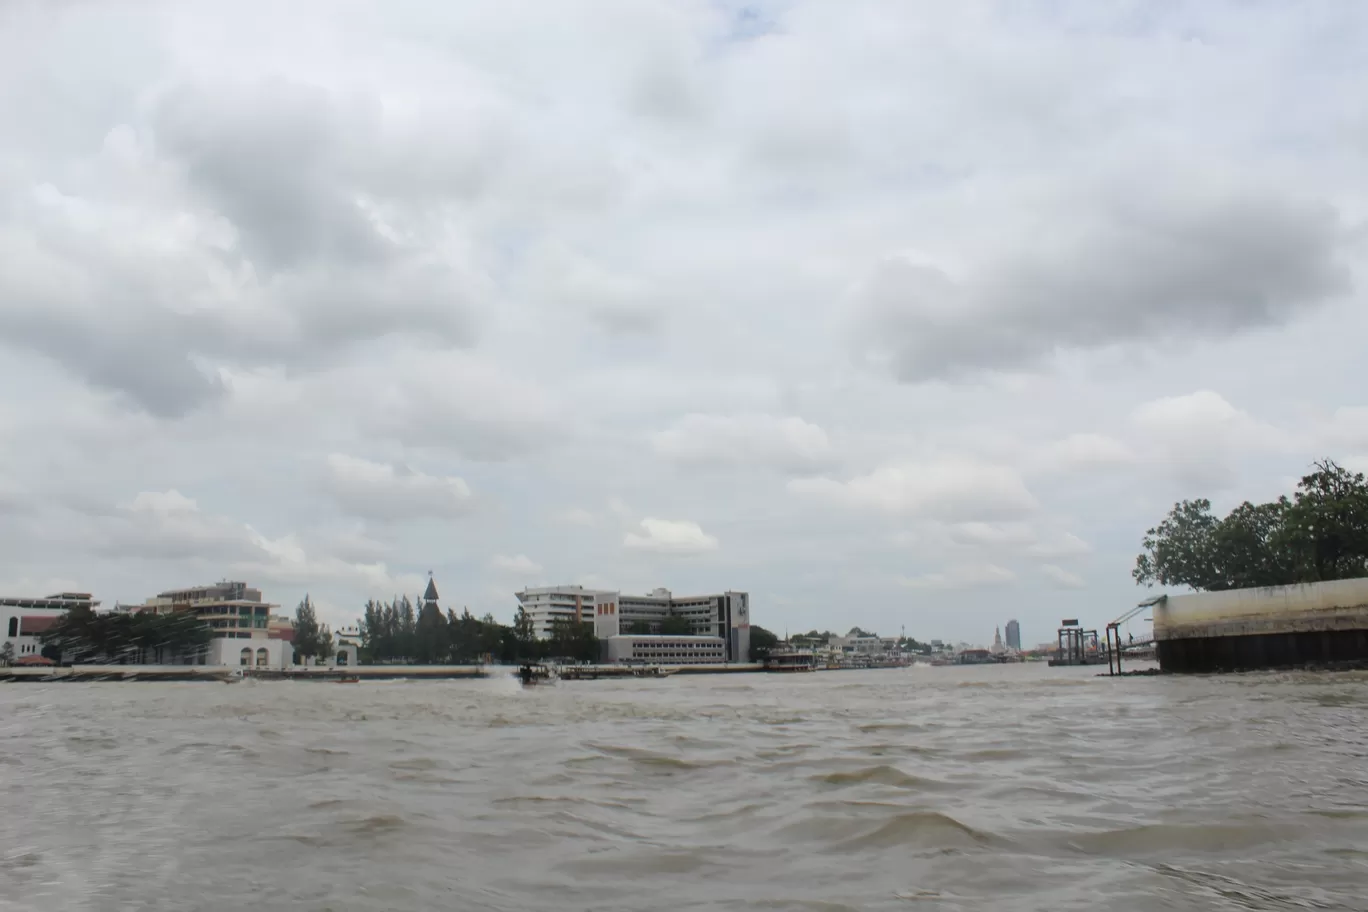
column 1021, row 788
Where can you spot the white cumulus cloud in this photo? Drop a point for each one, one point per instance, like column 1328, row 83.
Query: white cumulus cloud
column 951, row 491
column 785, row 444
column 670, row 536
column 382, row 491
column 967, row 576
column 515, row 565
column 1061, row 578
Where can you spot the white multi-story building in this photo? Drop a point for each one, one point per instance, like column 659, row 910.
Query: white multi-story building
column 240, row 620
column 703, row 621
column 547, row 604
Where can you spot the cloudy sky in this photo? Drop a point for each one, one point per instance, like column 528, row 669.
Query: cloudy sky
column 891, row 313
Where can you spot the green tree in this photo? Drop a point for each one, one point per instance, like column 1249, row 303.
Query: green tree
column 1321, row 534
column 523, row 630
column 762, row 642
column 372, row 631
column 1327, row 524
column 326, row 649
column 7, row 654
column 308, row 636
column 126, row 637
column 1250, row 547
column 408, row 629
column 493, row 637
column 1180, row 551
column 572, row 640
column 467, row 635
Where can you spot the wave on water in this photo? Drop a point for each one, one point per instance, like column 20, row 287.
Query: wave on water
column 652, row 759
column 891, row 727
column 874, row 828
column 879, row 775
column 1193, row 838
column 920, row 830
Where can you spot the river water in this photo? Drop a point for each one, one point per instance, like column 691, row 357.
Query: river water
column 1006, row 787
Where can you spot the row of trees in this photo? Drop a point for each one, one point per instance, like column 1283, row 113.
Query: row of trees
column 82, row 635
column 1321, row 533
column 312, row 640
column 396, row 632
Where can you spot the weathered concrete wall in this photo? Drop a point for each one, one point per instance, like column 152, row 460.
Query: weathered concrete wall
column 1269, row 627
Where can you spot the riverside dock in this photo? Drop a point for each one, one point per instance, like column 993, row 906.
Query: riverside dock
column 360, row 673
column 376, row 672
column 1312, row 624
column 97, row 673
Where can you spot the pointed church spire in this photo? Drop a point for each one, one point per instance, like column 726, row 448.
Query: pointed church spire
column 431, row 594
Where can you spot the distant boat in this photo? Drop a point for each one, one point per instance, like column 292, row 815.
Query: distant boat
column 350, row 679
column 533, row 675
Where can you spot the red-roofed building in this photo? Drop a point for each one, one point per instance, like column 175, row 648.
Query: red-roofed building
column 35, row 624
column 23, row 620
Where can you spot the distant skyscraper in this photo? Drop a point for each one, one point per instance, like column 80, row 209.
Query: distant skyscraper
column 1013, row 634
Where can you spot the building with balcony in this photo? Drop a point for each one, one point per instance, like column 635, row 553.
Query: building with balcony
column 545, row 605
column 240, row 620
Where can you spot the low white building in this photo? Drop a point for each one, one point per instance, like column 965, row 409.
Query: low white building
column 23, row 620
column 258, row 652
column 666, row 650
column 349, row 635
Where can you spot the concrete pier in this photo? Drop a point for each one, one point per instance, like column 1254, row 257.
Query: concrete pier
column 1272, row 627
column 377, row 672
column 97, row 673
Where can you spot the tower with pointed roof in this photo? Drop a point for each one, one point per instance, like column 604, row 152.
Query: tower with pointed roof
column 430, row 596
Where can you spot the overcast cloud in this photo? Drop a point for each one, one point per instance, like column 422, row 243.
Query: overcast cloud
column 891, row 314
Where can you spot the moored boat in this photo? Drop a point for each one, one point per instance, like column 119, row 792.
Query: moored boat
column 789, row 661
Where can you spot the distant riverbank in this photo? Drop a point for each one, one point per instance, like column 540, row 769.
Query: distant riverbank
column 230, row 673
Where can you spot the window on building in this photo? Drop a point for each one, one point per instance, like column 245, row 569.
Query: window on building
column 263, row 657
column 246, row 657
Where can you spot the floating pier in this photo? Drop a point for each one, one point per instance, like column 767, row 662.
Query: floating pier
column 1077, row 646
column 1312, row 624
